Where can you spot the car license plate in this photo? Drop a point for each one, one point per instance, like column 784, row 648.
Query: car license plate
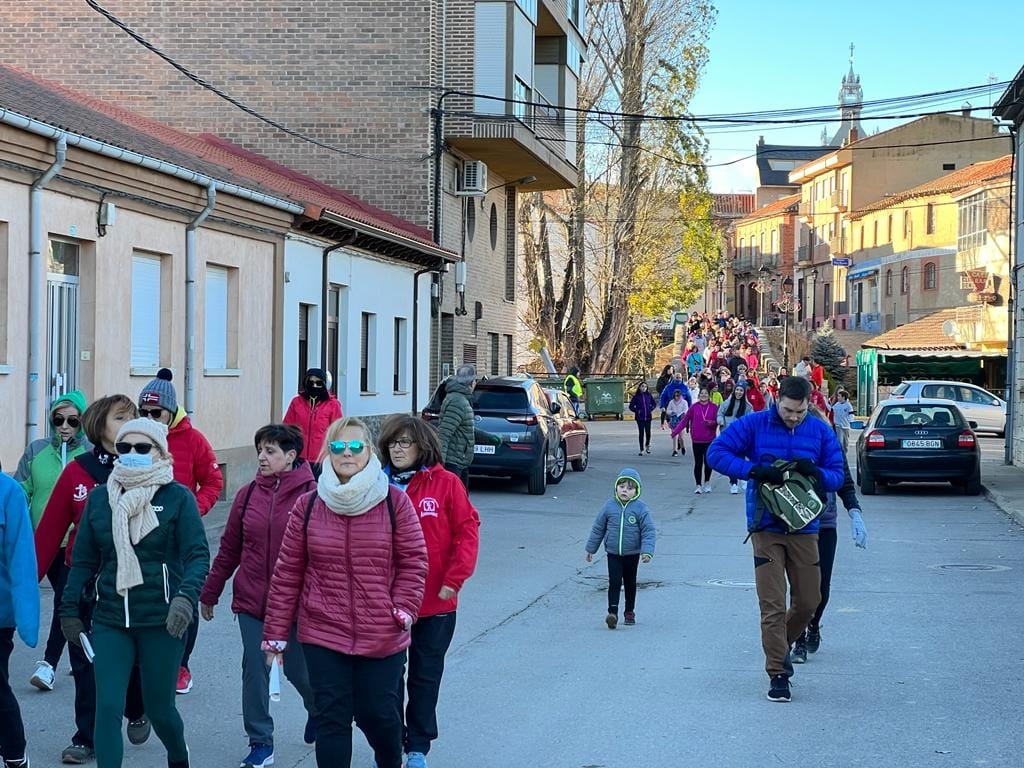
column 483, row 449
column 921, row 443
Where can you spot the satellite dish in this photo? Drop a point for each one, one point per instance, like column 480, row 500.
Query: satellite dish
column 949, row 328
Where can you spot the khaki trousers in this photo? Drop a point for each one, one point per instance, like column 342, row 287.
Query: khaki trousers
column 780, row 557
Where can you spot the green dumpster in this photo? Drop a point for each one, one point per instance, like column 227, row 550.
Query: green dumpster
column 605, row 396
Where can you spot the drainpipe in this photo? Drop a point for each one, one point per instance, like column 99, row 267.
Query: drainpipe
column 190, row 295
column 325, row 283
column 36, row 279
column 1013, row 247
column 416, row 329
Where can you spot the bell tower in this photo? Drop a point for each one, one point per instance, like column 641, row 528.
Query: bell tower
column 851, row 100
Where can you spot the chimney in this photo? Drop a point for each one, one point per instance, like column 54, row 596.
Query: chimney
column 965, row 110
column 854, row 135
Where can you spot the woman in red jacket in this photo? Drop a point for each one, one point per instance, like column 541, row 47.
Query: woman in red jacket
column 412, row 456
column 351, row 571
column 313, row 410
column 248, row 551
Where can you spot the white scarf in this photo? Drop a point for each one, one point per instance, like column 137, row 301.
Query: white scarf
column 359, row 495
column 131, row 490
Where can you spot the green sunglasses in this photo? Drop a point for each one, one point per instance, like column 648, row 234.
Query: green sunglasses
column 339, row 446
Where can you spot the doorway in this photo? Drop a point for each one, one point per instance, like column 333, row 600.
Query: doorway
column 62, row 304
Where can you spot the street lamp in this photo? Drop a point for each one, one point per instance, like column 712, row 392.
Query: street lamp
column 721, row 287
column 762, row 286
column 785, row 305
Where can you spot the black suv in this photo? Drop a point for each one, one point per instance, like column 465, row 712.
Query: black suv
column 515, row 409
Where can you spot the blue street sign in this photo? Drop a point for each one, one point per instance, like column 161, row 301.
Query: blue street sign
column 841, row 261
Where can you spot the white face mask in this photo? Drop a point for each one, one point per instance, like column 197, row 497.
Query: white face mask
column 136, row 460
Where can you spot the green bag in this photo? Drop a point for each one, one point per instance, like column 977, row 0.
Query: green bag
column 795, row 503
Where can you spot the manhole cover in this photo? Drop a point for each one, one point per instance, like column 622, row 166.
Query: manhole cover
column 969, row 567
column 732, row 584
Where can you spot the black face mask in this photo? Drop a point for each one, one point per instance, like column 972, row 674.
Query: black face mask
column 315, row 392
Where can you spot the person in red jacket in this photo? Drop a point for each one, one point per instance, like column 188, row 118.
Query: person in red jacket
column 412, row 456
column 101, row 422
column 248, row 551
column 313, row 410
column 195, row 467
column 351, row 570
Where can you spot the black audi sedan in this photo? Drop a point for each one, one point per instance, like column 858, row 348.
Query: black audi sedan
column 924, row 441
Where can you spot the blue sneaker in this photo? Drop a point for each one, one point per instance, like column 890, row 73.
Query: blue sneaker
column 415, row 760
column 260, row 755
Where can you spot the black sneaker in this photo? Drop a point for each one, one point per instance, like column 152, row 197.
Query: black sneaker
column 77, row 754
column 799, row 654
column 779, row 689
column 813, row 635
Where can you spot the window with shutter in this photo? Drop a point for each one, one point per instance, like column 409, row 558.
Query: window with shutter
column 216, row 339
column 367, row 353
column 145, row 320
column 400, row 353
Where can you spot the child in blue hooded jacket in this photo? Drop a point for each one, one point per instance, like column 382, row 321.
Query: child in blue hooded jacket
column 626, row 526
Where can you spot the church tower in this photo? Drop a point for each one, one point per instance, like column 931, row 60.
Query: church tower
column 851, row 99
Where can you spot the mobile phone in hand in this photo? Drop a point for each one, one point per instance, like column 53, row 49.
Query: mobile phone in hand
column 87, row 646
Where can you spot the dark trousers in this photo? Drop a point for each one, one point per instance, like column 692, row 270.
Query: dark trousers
column 57, row 575
column 779, row 558
column 347, row 687
column 190, row 637
column 12, row 730
column 643, row 426
column 700, row 463
column 622, row 571
column 462, row 472
column 827, row 538
column 431, row 637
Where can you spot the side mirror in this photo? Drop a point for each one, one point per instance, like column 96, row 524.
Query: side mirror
column 972, row 424
column 555, row 408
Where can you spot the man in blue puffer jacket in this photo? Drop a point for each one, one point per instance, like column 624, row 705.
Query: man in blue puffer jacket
column 747, row 449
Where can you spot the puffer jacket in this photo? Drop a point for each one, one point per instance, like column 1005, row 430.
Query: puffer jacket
column 195, row 463
column 252, row 539
column 45, row 459
column 451, row 530
column 763, row 437
column 174, row 558
column 455, row 426
column 672, row 386
column 341, row 576
column 313, row 418
column 848, row 495
column 626, row 529
column 19, row 587
column 642, row 405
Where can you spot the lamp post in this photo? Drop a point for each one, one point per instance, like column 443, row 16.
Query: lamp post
column 814, row 296
column 762, row 286
column 721, row 288
column 785, row 304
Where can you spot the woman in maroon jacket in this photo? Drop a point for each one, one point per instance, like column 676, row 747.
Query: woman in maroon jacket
column 451, row 526
column 248, row 550
column 351, row 570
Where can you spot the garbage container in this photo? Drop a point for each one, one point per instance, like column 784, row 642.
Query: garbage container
column 605, row 396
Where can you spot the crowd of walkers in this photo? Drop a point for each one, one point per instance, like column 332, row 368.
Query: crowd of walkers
column 346, row 560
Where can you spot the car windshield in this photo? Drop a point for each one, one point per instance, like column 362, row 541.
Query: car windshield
column 901, row 388
column 510, row 399
column 910, row 416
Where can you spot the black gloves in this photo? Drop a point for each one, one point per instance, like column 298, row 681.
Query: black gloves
column 767, row 473
column 807, row 468
column 71, row 627
column 179, row 616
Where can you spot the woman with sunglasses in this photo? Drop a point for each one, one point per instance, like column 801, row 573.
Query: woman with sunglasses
column 313, row 410
column 37, row 472
column 61, row 519
column 142, row 544
column 450, row 523
column 248, row 551
column 351, row 571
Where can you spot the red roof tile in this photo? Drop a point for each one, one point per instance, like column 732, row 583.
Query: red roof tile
column 734, row 205
column 773, row 208
column 923, row 334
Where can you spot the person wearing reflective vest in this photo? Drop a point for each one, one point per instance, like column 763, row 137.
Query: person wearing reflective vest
column 573, row 386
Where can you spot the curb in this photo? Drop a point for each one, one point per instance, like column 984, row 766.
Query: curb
column 1005, row 504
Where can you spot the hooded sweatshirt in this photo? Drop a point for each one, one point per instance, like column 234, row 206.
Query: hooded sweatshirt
column 45, row 459
column 626, row 528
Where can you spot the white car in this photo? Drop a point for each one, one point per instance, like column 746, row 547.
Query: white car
column 977, row 405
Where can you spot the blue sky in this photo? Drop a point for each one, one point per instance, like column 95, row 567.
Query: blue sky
column 795, row 53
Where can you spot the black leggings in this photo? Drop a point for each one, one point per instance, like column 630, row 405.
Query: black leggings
column 827, row 556
column 700, row 451
column 622, row 569
column 643, row 426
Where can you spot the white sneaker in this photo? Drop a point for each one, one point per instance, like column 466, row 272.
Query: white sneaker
column 734, row 489
column 697, row 490
column 707, row 487
column 43, row 677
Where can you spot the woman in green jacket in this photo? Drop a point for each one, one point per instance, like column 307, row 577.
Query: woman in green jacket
column 37, row 472
column 141, row 542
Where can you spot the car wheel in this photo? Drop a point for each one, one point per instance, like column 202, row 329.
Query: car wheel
column 972, row 487
column 558, row 470
column 537, row 480
column 580, row 464
column 867, row 481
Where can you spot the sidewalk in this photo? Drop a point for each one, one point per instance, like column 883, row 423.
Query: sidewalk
column 1004, row 487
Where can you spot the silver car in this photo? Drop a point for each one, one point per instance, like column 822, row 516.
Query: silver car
column 977, row 405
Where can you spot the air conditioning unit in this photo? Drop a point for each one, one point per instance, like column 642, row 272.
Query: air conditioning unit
column 474, row 178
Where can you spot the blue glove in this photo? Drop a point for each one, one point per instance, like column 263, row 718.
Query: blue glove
column 860, row 533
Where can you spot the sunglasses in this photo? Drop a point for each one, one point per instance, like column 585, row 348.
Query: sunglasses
column 72, row 421
column 339, row 446
column 402, row 443
column 151, row 413
column 143, row 448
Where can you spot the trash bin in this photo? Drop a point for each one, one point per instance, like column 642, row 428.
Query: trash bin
column 605, row 396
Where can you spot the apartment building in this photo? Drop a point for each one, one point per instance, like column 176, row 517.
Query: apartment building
column 435, row 112
column 766, row 241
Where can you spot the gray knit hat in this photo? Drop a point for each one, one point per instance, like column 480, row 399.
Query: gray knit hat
column 160, row 392
column 151, row 428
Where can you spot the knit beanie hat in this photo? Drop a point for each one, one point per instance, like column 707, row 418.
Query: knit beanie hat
column 160, row 392
column 151, row 428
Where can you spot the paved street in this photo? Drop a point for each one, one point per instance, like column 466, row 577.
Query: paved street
column 920, row 666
